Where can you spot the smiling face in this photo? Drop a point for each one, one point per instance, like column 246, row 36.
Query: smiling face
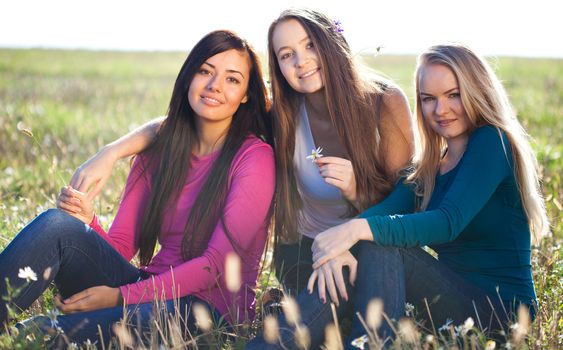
column 297, row 57
column 219, row 86
column 441, row 103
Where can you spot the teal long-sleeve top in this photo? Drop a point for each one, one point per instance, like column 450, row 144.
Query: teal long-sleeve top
column 474, row 221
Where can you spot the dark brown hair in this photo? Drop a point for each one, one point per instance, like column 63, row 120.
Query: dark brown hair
column 169, row 154
column 354, row 106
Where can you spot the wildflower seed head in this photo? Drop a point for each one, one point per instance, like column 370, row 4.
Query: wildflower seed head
column 232, row 272
column 123, row 335
column 202, row 317
column 271, row 329
column 302, row 337
column 291, row 310
column 520, row 329
column 47, row 273
column 332, row 338
column 408, row 331
column 24, row 130
column 374, row 313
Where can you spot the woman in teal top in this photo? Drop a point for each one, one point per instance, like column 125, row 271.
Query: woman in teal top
column 472, row 196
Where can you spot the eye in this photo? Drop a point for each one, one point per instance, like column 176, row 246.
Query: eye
column 233, row 80
column 427, row 98
column 204, row 71
column 455, row 95
column 285, row 55
column 310, row 45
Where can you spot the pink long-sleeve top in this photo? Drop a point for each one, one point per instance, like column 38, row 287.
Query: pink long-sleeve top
column 251, row 185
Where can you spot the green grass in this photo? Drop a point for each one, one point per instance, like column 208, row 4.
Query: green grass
column 76, row 101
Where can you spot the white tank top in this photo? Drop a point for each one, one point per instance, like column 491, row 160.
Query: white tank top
column 323, row 204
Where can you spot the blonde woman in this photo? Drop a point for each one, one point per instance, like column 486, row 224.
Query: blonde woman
column 473, row 197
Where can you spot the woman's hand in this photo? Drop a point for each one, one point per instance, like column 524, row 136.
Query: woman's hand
column 76, row 203
column 99, row 297
column 338, row 239
column 330, row 277
column 340, row 173
column 94, row 172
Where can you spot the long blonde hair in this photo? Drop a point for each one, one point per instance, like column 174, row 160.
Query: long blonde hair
column 486, row 103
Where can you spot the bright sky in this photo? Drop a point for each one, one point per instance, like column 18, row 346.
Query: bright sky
column 492, row 27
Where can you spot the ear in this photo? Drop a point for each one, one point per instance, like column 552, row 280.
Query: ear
column 244, row 99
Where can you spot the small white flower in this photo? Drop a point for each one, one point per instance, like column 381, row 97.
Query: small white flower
column 467, row 325
column 360, row 342
column 27, row 274
column 409, row 310
column 315, row 154
column 446, row 325
column 429, row 338
column 52, row 315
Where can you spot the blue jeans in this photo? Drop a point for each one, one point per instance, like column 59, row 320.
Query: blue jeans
column 397, row 276
column 78, row 258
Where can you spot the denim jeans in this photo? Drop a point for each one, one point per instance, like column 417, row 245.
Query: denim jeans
column 395, row 275
column 61, row 248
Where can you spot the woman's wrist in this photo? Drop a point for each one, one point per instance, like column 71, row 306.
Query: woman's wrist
column 111, row 152
column 361, row 230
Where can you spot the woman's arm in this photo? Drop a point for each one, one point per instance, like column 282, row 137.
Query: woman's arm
column 470, row 191
column 122, row 235
column 245, row 213
column 97, row 170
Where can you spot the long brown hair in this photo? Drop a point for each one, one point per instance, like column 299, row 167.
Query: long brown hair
column 169, row 154
column 354, row 106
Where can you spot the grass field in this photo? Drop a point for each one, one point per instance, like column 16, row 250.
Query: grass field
column 76, row 101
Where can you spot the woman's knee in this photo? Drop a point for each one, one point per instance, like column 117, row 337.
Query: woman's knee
column 53, row 224
column 369, row 252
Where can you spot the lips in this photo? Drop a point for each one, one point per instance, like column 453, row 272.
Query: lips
column 445, row 122
column 210, row 101
column 309, row 73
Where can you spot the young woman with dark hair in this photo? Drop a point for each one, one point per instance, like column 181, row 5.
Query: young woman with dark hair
column 191, row 191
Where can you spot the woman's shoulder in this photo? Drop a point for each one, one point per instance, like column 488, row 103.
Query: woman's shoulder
column 254, row 147
column 490, row 140
column 488, row 136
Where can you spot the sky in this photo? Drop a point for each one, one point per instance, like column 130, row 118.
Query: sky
column 492, row 27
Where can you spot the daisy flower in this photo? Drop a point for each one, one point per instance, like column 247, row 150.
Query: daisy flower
column 27, row 274
column 315, row 154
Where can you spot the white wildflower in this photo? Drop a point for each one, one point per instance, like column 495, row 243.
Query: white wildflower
column 360, row 342
column 315, row 154
column 52, row 315
column 445, row 326
column 409, row 310
column 467, row 325
column 27, row 274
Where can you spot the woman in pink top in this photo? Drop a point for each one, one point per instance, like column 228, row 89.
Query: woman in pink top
column 202, row 190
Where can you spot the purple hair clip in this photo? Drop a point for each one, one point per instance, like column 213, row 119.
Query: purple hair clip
column 338, row 26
